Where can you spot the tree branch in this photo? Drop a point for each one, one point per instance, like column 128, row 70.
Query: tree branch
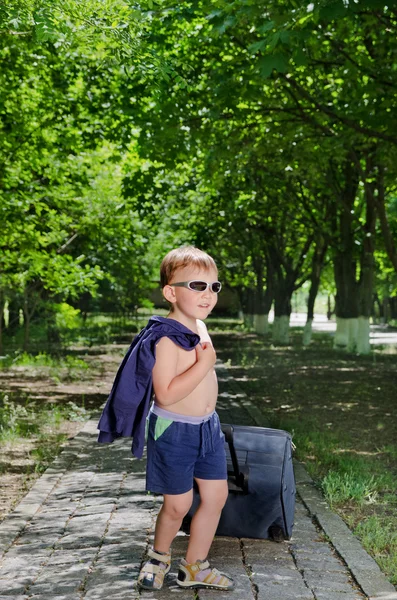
column 345, row 120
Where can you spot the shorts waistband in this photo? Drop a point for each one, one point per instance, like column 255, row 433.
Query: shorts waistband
column 191, row 420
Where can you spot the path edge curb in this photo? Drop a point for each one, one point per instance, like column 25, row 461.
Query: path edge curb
column 363, row 567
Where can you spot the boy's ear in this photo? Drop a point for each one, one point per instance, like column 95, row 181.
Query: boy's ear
column 169, row 294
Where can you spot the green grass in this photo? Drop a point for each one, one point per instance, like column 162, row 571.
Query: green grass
column 27, row 419
column 379, row 536
column 349, row 486
column 38, row 422
column 55, row 366
column 360, row 488
column 42, row 359
column 48, row 447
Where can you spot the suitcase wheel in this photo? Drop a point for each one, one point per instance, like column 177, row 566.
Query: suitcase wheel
column 276, row 534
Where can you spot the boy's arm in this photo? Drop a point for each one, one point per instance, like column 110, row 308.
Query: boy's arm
column 169, row 387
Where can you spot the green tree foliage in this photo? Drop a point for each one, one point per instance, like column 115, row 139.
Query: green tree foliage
column 264, row 132
column 65, row 124
column 283, row 97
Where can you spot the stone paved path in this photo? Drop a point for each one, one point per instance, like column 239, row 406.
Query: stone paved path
column 82, row 531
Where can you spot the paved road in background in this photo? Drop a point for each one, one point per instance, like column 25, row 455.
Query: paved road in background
column 83, row 529
column 379, row 334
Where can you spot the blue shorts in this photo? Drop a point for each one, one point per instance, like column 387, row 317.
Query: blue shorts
column 178, row 452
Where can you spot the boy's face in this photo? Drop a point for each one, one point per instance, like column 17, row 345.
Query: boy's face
column 187, row 303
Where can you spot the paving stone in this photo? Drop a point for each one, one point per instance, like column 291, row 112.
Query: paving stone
column 38, row 539
column 93, row 509
column 104, row 587
column 133, row 550
column 314, row 548
column 55, row 589
column 45, row 525
column 280, row 591
column 16, row 586
column 104, row 594
column 84, row 556
column 71, row 575
column 336, row 596
column 278, row 576
column 16, row 565
column 327, row 579
column 75, row 596
column 96, row 501
column 111, row 573
column 76, row 540
column 26, row 552
column 326, row 564
column 332, row 586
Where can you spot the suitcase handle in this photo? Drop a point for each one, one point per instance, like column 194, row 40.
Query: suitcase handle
column 240, row 473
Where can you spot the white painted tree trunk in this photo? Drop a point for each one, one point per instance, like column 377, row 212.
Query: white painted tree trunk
column 363, row 344
column 346, row 334
column 307, row 332
column 261, row 324
column 353, row 333
column 240, row 315
column 281, row 330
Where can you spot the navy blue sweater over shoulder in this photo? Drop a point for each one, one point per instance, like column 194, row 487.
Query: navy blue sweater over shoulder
column 128, row 404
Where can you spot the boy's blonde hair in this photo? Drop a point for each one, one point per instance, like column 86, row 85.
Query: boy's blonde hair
column 183, row 257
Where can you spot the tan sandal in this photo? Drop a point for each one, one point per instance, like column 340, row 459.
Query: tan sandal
column 201, row 575
column 153, row 572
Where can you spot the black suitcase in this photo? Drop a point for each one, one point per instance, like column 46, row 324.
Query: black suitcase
column 261, row 482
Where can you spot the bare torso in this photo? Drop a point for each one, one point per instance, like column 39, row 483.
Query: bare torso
column 202, row 399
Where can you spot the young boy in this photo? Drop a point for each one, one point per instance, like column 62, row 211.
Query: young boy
column 185, row 442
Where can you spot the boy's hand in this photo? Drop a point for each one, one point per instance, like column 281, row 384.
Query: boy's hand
column 205, row 353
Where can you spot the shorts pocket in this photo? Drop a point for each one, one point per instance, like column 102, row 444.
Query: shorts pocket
column 161, row 426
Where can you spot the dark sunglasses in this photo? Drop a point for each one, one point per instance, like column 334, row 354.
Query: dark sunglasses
column 199, row 286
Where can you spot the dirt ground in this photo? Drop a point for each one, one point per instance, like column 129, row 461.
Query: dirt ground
column 353, row 396
column 88, row 388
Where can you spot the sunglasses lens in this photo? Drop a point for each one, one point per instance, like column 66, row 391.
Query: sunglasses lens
column 216, row 287
column 198, row 286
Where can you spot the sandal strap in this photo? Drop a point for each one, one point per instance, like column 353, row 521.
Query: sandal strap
column 151, row 568
column 164, row 558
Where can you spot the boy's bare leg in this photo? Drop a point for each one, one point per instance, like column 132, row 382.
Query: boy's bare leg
column 213, row 495
column 169, row 519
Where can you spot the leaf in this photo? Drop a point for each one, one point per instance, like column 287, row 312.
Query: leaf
column 333, row 10
column 214, row 14
column 43, row 26
column 277, row 61
column 225, row 24
column 256, row 46
column 266, row 27
column 273, row 40
column 300, row 58
column 285, row 37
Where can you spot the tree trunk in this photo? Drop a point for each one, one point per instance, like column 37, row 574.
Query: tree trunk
column 345, row 266
column 26, row 331
column 282, row 313
column 30, row 299
column 388, row 239
column 2, row 307
column 263, row 298
column 367, row 266
column 317, row 266
column 250, row 308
